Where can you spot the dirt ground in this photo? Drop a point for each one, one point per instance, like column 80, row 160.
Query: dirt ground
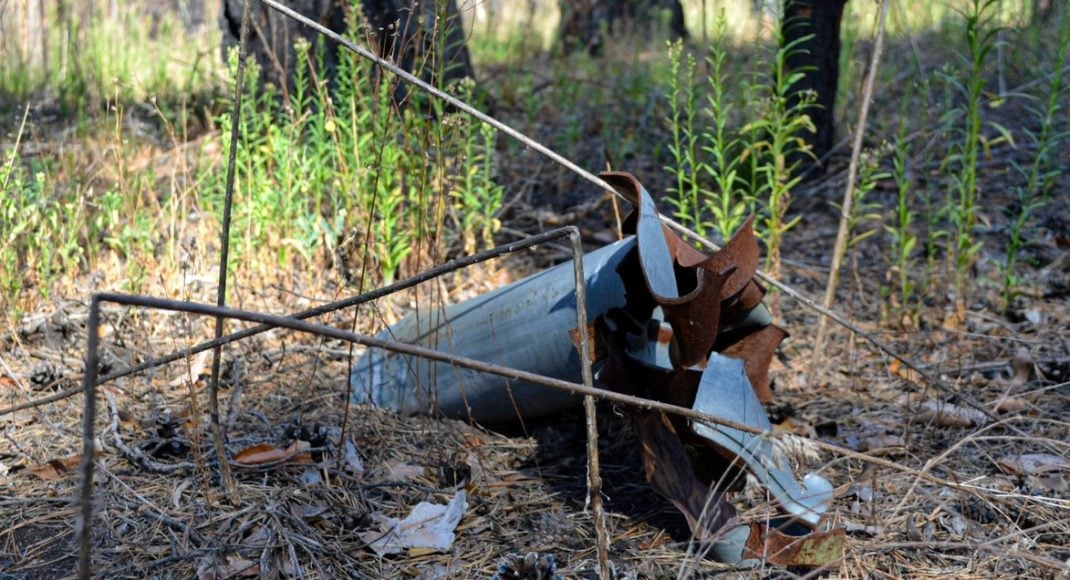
column 162, row 513
column 305, row 507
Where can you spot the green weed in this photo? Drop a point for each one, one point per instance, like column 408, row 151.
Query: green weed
column 981, row 38
column 750, row 168
column 901, row 229
column 352, row 160
column 773, row 143
column 1039, row 175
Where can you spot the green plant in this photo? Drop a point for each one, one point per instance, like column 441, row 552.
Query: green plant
column 727, row 204
column 774, row 145
column 981, row 39
column 863, row 209
column 1039, row 175
column 687, row 198
column 751, row 168
column 904, row 240
column 84, row 51
column 478, row 198
column 350, row 159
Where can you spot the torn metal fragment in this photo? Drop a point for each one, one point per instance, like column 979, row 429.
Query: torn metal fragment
column 801, row 549
column 724, row 391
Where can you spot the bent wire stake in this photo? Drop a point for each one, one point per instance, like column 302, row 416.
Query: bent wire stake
column 90, row 381
column 92, row 360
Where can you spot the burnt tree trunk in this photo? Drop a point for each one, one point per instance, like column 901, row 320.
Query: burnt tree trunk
column 583, row 22
column 815, row 24
column 1042, row 11
column 425, row 38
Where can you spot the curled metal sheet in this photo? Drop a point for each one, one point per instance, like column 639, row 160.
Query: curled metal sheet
column 724, row 391
column 524, row 325
column 667, row 322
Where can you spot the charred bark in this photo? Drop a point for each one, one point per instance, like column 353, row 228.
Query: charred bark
column 1042, row 11
column 815, row 26
column 584, row 22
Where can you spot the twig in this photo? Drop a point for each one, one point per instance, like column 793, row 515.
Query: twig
column 235, row 403
column 594, row 475
column 224, row 257
column 135, row 455
column 982, row 546
column 843, row 233
column 83, row 524
column 475, row 365
column 18, row 141
column 167, row 520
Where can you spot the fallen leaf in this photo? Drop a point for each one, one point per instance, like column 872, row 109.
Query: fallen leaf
column 353, row 463
column 55, row 469
column 862, row 492
column 817, row 549
column 898, row 369
column 871, row 530
column 309, row 511
column 952, row 522
column 194, row 370
column 1011, row 405
column 1022, row 363
column 232, row 567
column 943, row 414
column 1033, row 464
column 401, row 471
column 266, row 453
column 882, row 444
column 20, row 418
column 262, row 453
column 1049, row 483
column 311, row 476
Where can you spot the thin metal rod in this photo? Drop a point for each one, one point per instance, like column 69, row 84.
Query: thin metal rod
column 91, row 358
column 604, row 185
column 480, row 366
column 435, row 272
column 594, row 470
column 227, row 479
column 413, row 350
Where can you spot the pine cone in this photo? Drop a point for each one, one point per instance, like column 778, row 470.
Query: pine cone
column 46, row 375
column 528, row 567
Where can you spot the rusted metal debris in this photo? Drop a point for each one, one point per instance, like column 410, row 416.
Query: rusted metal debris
column 668, row 323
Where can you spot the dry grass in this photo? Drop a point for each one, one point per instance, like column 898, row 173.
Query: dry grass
column 526, row 490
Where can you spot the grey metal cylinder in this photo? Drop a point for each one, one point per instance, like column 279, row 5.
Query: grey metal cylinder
column 524, row 325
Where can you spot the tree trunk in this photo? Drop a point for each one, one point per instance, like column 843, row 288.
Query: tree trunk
column 405, row 31
column 429, row 43
column 583, row 22
column 1042, row 11
column 818, row 57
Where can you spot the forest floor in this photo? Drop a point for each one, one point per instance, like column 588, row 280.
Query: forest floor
column 306, row 506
